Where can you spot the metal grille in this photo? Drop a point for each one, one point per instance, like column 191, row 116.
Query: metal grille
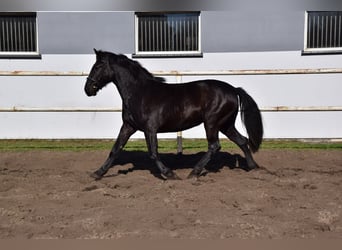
column 18, row 32
column 324, row 29
column 170, row 32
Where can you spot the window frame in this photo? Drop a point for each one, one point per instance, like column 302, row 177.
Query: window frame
column 181, row 53
column 22, row 54
column 307, row 50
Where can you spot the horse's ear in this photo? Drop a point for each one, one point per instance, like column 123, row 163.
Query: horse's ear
column 97, row 53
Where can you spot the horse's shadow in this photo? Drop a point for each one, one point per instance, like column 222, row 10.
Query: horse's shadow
column 141, row 161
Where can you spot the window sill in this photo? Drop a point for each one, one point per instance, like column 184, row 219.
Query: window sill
column 312, row 52
column 167, row 55
column 20, row 56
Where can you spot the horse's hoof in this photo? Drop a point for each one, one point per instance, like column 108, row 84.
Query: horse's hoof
column 193, row 175
column 196, row 174
column 174, row 177
column 96, row 176
column 171, row 176
column 252, row 167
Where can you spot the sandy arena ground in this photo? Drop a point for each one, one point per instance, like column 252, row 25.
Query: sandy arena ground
column 46, row 194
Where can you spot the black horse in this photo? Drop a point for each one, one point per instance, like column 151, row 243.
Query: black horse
column 153, row 106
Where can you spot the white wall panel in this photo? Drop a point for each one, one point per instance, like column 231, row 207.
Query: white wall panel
column 268, row 90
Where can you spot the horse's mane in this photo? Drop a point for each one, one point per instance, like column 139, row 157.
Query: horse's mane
column 136, row 69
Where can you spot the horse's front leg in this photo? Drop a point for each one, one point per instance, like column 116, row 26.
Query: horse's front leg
column 125, row 132
column 152, row 144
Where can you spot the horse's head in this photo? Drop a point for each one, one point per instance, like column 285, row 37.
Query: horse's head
column 100, row 74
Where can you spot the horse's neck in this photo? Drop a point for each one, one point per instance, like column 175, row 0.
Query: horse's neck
column 128, row 87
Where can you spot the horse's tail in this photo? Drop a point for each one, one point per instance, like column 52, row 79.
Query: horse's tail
column 251, row 117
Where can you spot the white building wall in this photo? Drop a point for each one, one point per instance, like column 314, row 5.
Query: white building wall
column 44, row 92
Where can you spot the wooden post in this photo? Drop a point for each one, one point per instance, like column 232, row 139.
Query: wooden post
column 179, row 143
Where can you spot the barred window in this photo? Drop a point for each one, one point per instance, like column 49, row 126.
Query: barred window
column 18, row 33
column 167, row 33
column 323, row 31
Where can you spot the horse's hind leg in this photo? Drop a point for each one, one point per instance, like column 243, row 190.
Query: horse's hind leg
column 242, row 142
column 125, row 132
column 152, row 144
column 213, row 147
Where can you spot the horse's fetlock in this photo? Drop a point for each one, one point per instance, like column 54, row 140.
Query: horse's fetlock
column 215, row 147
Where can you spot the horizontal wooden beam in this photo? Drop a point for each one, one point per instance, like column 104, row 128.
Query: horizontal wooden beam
column 188, row 73
column 86, row 109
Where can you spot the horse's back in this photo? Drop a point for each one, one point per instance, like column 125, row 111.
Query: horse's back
column 199, row 93
column 215, row 90
column 182, row 106
column 205, row 86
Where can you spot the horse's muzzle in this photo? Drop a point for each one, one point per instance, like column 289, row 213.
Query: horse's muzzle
column 90, row 89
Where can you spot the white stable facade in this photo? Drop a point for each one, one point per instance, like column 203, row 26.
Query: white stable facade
column 302, row 103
